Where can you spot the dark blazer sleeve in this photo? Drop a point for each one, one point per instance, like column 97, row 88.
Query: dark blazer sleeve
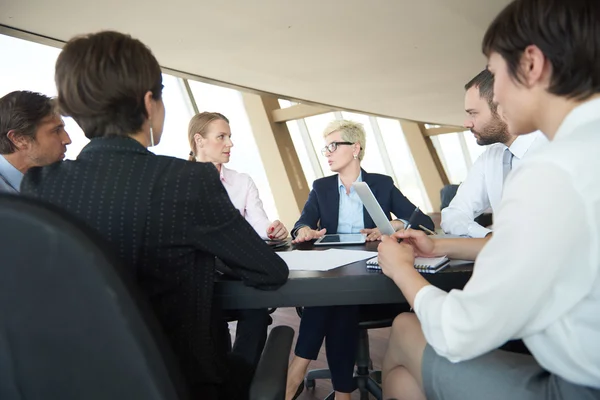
column 218, row 228
column 310, row 213
column 403, row 208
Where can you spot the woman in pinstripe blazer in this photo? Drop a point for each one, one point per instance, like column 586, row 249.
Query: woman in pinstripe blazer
column 167, row 219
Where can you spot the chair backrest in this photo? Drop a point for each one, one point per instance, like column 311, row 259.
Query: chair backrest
column 72, row 324
column 447, row 194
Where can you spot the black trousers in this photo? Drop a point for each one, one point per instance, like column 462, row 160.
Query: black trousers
column 236, row 385
column 338, row 326
column 250, row 335
column 236, row 371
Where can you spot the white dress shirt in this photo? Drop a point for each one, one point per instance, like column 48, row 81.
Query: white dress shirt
column 538, row 278
column 244, row 195
column 483, row 187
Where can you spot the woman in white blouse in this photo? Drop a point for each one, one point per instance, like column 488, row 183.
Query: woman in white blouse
column 209, row 134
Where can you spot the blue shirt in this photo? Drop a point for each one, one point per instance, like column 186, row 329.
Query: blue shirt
column 350, row 219
column 10, row 177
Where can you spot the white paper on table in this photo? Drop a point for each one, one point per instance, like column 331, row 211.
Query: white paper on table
column 322, row 260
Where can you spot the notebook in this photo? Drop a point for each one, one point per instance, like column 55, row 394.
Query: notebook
column 422, row 264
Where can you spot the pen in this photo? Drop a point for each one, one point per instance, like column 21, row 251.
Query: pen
column 429, row 231
column 411, row 221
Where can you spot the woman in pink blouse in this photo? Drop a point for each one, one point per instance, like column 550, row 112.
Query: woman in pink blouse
column 210, row 140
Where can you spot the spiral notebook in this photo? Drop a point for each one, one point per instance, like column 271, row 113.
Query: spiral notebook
column 422, row 264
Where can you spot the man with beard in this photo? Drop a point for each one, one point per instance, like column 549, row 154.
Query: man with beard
column 482, row 190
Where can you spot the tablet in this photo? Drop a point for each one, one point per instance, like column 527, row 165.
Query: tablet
column 373, row 208
column 340, row 239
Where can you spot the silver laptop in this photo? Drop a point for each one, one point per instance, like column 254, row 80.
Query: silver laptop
column 373, row 208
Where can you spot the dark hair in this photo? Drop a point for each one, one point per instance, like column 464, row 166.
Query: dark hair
column 484, row 81
column 102, row 79
column 22, row 111
column 567, row 33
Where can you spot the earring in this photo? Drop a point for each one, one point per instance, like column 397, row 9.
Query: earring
column 151, row 135
column 355, row 157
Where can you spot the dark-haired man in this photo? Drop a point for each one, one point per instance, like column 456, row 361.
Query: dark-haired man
column 32, row 134
column 482, row 190
column 537, row 278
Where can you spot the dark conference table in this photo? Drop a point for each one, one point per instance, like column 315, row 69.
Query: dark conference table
column 347, row 285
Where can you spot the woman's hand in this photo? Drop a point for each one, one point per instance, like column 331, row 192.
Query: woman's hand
column 393, row 256
column 306, row 234
column 277, row 230
column 372, row 234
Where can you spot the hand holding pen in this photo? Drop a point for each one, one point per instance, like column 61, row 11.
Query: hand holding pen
column 411, row 221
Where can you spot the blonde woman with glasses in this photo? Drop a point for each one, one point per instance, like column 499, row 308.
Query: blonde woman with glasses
column 333, row 206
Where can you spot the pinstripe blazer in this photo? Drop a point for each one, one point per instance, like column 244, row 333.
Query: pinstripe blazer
column 166, row 219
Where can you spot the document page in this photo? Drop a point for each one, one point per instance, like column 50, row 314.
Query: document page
column 322, row 260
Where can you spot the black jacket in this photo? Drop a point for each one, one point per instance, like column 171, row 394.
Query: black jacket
column 167, row 219
column 323, row 205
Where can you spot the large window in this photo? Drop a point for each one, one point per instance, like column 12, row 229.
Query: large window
column 405, row 170
column 386, row 151
column 451, row 155
column 244, row 154
column 475, row 150
column 30, row 66
column 316, row 126
column 457, row 152
column 372, row 161
column 178, row 111
column 308, row 157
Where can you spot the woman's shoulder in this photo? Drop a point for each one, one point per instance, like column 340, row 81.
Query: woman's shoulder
column 325, row 181
column 173, row 169
column 377, row 178
column 236, row 177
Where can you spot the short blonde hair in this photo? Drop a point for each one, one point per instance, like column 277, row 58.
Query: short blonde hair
column 352, row 132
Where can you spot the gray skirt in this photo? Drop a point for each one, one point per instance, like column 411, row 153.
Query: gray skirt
column 498, row 375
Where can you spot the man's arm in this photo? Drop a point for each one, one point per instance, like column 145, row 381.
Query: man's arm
column 459, row 249
column 470, row 201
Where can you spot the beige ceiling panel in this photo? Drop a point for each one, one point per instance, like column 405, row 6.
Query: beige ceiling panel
column 400, row 58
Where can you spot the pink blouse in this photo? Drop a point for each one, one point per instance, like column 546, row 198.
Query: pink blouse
column 244, row 195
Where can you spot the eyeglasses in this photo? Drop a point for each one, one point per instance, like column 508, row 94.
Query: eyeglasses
column 331, row 147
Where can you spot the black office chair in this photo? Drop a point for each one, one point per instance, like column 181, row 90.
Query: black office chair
column 447, row 194
column 74, row 326
column 366, row 379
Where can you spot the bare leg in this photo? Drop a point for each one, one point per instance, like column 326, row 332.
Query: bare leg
column 402, row 363
column 400, row 385
column 342, row 396
column 296, row 373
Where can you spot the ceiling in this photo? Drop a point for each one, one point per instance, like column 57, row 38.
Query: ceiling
column 400, row 58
